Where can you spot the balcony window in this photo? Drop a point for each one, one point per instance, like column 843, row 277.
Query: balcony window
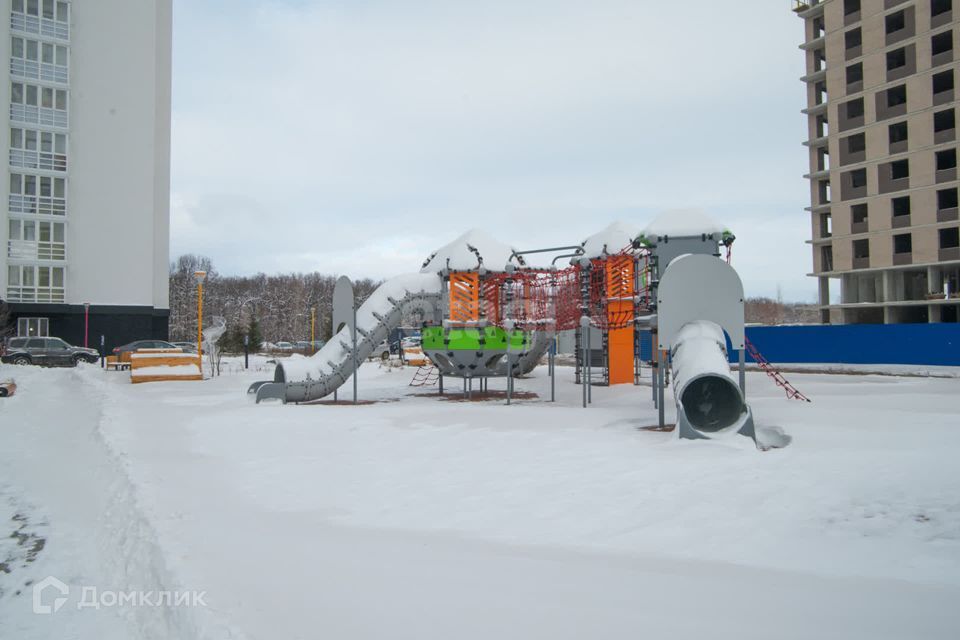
column 899, row 169
column 853, row 38
column 48, row 18
column 942, row 87
column 941, row 48
column 855, row 77
column 895, row 22
column 900, row 206
column 30, row 283
column 938, row 7
column 949, row 238
column 897, row 132
column 944, row 120
column 902, row 243
column 858, row 218
column 861, row 249
column 897, row 95
column 946, row 159
column 896, row 58
column 850, row 7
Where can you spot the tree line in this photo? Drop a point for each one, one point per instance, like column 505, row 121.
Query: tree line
column 263, row 307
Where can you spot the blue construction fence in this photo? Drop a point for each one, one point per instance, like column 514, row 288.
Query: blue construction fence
column 936, row 344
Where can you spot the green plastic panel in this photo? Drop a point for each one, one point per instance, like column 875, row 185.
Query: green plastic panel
column 494, row 339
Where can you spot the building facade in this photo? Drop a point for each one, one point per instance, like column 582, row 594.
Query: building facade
column 87, row 147
column 882, row 141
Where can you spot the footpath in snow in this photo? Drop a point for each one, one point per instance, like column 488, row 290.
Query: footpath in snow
column 424, row 517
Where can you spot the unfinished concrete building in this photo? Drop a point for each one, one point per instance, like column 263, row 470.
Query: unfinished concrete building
column 881, row 108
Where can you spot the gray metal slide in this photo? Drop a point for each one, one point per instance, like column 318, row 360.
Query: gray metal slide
column 306, row 379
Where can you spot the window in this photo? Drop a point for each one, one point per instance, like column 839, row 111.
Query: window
column 32, row 327
column 897, row 95
column 854, row 108
column 946, row 159
column 29, row 283
column 897, row 132
column 949, row 238
column 902, row 243
column 850, row 6
column 861, row 248
column 900, row 206
column 941, row 43
column 899, row 169
column 854, row 73
column 943, row 81
column 856, row 143
column 853, row 38
column 858, row 178
column 940, row 6
column 944, row 120
column 946, row 199
column 858, row 213
column 896, row 58
column 896, row 22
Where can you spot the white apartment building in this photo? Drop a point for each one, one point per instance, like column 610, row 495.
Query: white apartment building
column 87, row 151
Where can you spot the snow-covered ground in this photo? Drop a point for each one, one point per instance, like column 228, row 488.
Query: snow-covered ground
column 420, row 517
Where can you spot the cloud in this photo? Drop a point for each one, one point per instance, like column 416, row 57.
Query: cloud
column 357, row 137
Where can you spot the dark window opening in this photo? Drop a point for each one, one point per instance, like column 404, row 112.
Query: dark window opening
column 858, row 213
column 861, row 248
column 902, row 243
column 821, row 92
column 900, row 206
column 826, row 225
column 944, row 120
column 940, row 6
column 897, row 95
column 896, row 21
column 850, row 6
column 941, row 43
column 853, row 38
column 818, row 28
column 896, row 58
column 856, row 143
column 950, row 238
column 943, row 81
column 946, row 159
column 946, row 199
column 899, row 169
column 854, row 109
column 858, row 178
column 898, row 132
column 855, row 73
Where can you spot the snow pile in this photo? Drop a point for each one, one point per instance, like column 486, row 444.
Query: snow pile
column 682, row 222
column 378, row 303
column 472, row 250
column 615, row 237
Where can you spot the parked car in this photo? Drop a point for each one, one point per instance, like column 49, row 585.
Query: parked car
column 188, row 347
column 142, row 344
column 46, row 352
column 284, row 346
column 307, row 347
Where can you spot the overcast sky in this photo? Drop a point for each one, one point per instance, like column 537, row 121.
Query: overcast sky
column 355, row 137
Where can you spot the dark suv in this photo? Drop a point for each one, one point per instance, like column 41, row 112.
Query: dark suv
column 45, row 351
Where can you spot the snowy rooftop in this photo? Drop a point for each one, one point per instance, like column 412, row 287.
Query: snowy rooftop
column 682, row 222
column 473, row 249
column 615, row 237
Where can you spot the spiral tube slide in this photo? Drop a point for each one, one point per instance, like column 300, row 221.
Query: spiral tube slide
column 709, row 400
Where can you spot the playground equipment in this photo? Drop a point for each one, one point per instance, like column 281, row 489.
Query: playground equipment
column 485, row 312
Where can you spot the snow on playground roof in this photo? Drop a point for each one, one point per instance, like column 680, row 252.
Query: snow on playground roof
column 682, row 222
column 615, row 237
column 465, row 252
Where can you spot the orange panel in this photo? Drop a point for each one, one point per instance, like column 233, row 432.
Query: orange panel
column 464, row 297
column 620, row 309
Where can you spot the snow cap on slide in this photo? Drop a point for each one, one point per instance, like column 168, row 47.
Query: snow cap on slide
column 472, row 250
column 616, row 237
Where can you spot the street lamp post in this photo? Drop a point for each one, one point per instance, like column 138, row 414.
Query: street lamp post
column 200, row 276
column 86, row 325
